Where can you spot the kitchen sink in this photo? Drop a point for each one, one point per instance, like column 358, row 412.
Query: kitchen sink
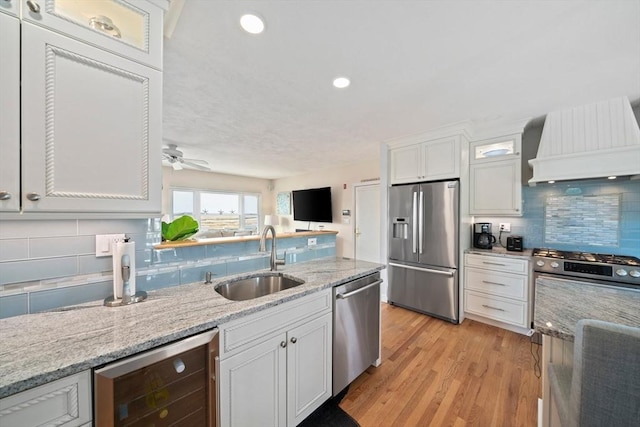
column 257, row 285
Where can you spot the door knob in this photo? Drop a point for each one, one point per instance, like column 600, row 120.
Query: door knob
column 283, row 344
column 34, row 197
column 294, row 340
column 5, row 195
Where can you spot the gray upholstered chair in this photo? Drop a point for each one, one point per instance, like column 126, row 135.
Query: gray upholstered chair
column 603, row 386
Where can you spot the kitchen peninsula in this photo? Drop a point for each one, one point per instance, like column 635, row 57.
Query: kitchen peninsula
column 40, row 348
column 560, row 303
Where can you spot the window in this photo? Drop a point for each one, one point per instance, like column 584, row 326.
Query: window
column 218, row 210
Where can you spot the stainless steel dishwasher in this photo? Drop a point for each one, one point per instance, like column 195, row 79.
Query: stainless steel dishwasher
column 356, row 329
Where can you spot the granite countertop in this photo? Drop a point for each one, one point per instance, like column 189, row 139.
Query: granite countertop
column 43, row 347
column 499, row 251
column 560, row 303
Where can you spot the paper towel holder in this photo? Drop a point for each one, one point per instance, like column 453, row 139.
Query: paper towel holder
column 125, row 266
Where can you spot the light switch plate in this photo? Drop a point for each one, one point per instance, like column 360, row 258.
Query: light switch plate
column 312, row 241
column 104, row 244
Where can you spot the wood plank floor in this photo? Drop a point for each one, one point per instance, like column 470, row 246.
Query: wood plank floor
column 434, row 373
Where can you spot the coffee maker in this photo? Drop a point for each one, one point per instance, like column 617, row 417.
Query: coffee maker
column 482, row 237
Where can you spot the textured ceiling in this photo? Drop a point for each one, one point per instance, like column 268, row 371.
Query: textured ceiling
column 263, row 105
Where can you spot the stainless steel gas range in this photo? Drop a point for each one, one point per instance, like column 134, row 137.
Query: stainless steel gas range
column 587, row 268
column 614, row 270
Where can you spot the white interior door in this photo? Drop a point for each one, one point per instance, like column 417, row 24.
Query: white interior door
column 367, row 222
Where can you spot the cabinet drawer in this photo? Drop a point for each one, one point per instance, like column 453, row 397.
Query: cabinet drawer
column 504, row 284
column 65, row 402
column 258, row 327
column 509, row 265
column 497, row 308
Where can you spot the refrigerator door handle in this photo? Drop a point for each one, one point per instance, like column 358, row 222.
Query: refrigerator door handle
column 414, row 242
column 426, row 270
column 420, row 220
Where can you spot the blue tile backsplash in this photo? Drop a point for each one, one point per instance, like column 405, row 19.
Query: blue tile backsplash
column 585, row 235
column 45, row 265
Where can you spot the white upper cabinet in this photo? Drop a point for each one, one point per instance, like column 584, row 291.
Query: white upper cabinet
column 81, row 99
column 426, row 161
column 10, row 113
column 495, row 176
column 131, row 28
column 91, row 124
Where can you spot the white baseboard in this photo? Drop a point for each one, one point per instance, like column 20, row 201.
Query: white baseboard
column 540, row 412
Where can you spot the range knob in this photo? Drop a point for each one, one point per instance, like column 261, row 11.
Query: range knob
column 634, row 273
column 621, row 272
column 540, row 263
column 555, row 264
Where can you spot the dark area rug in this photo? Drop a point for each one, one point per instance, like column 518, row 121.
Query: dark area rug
column 330, row 414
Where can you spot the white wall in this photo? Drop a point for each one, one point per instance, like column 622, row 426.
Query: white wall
column 187, row 178
column 341, row 198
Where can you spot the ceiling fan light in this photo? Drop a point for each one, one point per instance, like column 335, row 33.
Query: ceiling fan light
column 176, row 165
column 252, row 24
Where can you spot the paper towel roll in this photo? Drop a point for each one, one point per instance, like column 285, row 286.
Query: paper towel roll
column 121, row 248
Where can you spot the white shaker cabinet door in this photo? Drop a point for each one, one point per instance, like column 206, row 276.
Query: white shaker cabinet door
column 9, row 113
column 405, row 164
column 253, row 384
column 495, row 188
column 309, row 368
column 91, row 128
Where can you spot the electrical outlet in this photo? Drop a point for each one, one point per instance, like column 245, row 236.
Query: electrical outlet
column 505, row 226
column 104, row 243
column 312, row 241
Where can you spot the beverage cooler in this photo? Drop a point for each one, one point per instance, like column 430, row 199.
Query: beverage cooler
column 173, row 384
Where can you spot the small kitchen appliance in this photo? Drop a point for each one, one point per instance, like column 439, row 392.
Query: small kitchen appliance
column 514, row 243
column 482, row 237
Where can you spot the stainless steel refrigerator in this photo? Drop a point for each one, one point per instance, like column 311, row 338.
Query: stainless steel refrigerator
column 423, row 248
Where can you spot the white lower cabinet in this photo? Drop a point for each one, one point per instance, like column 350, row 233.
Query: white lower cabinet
column 65, row 402
column 281, row 376
column 497, row 288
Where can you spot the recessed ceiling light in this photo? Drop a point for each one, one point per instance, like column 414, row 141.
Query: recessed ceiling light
column 252, row 24
column 341, row 82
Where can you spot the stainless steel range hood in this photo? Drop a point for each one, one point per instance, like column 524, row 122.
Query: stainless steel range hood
column 591, row 141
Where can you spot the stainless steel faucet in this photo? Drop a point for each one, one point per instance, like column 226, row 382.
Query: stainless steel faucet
column 275, row 262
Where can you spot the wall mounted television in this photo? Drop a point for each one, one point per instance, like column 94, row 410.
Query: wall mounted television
column 313, row 205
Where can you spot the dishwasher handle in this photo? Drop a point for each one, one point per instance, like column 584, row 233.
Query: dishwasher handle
column 357, row 291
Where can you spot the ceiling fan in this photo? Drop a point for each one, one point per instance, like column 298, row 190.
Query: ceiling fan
column 175, row 158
